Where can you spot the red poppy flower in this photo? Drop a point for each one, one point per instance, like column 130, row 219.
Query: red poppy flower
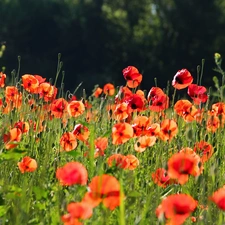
column 68, row 141
column 132, row 76
column 80, row 210
column 182, row 79
column 154, row 91
column 183, row 164
column 2, row 79
column 135, row 102
column 161, row 178
column 204, row 150
column 105, row 189
column 197, row 93
column 121, row 133
column 40, row 79
column 158, row 100
column 23, row 126
column 59, row 107
column 159, row 103
column 218, row 198
column 27, row 165
column 176, row 208
column 72, row 173
column 67, row 219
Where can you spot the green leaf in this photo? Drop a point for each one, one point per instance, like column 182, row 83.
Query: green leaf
column 134, row 194
column 3, row 210
column 73, row 153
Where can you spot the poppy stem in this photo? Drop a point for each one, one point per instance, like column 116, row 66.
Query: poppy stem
column 122, row 214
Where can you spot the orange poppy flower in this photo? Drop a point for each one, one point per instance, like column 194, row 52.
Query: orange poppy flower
column 101, row 144
column 153, row 129
column 121, row 133
column 109, row 89
column 186, row 110
column 30, row 83
column 59, row 107
column 97, row 92
column 182, row 79
column 80, row 210
column 141, row 93
column 119, row 161
column 197, row 93
column 12, row 138
column 72, row 173
column 121, row 111
column 47, row 91
column 204, row 150
column 67, row 219
column 168, row 129
column 132, row 76
column 140, row 124
column 23, row 126
column 2, row 79
column 183, row 164
column 218, row 108
column 212, row 123
column 27, row 165
column 218, row 198
column 105, row 189
column 81, row 132
column 176, row 208
column 133, row 162
column 143, row 142
column 10, row 93
column 161, row 178
column 75, row 108
column 68, row 141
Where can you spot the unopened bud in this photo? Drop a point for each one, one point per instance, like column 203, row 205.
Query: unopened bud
column 3, row 48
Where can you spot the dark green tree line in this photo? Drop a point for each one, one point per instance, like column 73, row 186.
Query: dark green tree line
column 98, row 38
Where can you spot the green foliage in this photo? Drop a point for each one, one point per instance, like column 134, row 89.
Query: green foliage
column 98, row 39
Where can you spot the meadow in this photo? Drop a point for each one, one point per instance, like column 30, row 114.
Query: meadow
column 120, row 156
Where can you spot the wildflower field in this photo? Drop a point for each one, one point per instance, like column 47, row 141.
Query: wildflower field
column 120, row 156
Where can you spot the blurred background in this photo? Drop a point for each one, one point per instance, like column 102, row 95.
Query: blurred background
column 98, row 38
